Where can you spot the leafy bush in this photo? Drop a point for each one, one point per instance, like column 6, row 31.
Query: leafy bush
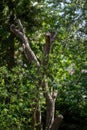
column 15, row 98
column 72, row 103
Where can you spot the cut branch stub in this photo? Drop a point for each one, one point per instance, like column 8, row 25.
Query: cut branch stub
column 53, row 36
column 46, row 50
column 51, row 123
column 47, row 44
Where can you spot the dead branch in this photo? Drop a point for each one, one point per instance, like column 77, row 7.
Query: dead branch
column 27, row 49
column 50, row 98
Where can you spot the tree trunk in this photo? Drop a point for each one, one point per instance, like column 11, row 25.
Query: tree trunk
column 50, row 113
column 36, row 117
column 51, row 122
column 57, row 122
column 11, row 60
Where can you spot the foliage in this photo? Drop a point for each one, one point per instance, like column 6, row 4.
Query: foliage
column 15, row 98
column 67, row 66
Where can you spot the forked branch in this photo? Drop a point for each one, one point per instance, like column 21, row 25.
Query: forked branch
column 51, row 123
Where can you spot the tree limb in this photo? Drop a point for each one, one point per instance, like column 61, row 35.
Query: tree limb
column 20, row 26
column 57, row 122
column 53, row 36
column 50, row 98
column 27, row 49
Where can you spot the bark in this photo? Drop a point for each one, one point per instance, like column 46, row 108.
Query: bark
column 50, row 113
column 57, row 122
column 36, row 114
column 50, row 103
column 27, row 49
column 10, row 55
column 50, row 97
column 51, row 123
column 11, row 50
column 30, row 55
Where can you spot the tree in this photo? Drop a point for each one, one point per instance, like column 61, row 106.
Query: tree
column 57, row 68
column 42, row 83
column 10, row 10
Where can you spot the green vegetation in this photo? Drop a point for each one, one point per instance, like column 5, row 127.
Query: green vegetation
column 63, row 64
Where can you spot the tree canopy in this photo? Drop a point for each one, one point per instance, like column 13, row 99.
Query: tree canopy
column 56, row 34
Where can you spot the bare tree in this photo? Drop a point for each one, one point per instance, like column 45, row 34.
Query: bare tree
column 52, row 123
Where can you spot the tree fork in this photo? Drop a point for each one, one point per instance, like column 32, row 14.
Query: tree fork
column 51, row 122
column 50, row 97
column 31, row 57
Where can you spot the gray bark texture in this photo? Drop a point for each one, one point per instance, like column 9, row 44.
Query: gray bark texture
column 52, row 123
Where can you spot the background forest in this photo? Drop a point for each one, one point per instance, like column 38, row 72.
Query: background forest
column 66, row 72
